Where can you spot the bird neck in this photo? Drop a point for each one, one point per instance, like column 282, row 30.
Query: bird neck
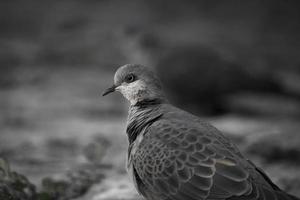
column 146, row 97
column 148, row 103
column 141, row 115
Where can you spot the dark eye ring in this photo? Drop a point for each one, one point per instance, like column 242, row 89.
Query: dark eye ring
column 130, row 78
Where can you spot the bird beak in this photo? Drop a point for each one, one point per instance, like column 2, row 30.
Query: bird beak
column 109, row 90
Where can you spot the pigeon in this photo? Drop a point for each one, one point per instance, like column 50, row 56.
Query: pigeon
column 175, row 155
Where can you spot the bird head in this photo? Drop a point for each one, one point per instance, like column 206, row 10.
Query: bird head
column 136, row 83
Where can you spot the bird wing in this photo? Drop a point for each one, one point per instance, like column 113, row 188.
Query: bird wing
column 179, row 162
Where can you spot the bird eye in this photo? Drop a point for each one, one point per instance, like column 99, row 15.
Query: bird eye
column 129, row 78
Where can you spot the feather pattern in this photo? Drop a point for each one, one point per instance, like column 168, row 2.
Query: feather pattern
column 177, row 156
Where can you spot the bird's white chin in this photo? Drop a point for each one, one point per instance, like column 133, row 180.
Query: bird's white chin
column 133, row 92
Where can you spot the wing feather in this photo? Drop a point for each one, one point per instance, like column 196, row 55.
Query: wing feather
column 189, row 163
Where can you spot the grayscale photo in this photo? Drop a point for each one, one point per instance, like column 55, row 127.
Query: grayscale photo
column 149, row 100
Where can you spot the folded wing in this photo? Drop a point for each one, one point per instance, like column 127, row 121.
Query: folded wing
column 188, row 163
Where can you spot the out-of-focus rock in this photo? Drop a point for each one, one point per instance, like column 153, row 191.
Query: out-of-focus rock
column 96, row 150
column 23, row 153
column 291, row 185
column 281, row 147
column 58, row 148
column 198, row 77
column 285, row 175
column 289, row 81
column 117, row 187
column 75, row 184
column 263, row 104
column 13, row 185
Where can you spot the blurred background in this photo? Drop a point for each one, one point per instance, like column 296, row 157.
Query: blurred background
column 235, row 63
